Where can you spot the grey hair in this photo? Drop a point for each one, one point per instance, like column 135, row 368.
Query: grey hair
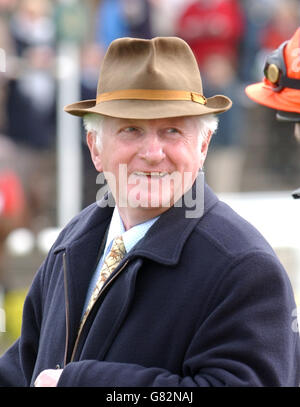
column 207, row 123
column 93, row 122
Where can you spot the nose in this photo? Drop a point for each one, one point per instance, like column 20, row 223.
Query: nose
column 152, row 149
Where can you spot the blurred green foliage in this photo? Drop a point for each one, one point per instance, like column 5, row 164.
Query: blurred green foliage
column 13, row 306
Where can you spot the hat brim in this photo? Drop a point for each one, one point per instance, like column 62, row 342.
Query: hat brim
column 286, row 100
column 149, row 109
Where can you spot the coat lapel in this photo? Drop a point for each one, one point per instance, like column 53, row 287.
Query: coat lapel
column 81, row 251
column 166, row 238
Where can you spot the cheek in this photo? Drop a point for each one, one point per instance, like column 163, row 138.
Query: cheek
column 188, row 158
column 117, row 155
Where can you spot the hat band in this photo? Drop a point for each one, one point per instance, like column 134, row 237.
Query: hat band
column 151, row 94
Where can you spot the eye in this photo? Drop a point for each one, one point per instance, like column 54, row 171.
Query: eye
column 130, row 129
column 130, row 133
column 172, row 130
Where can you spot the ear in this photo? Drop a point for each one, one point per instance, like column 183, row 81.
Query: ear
column 204, row 148
column 96, row 156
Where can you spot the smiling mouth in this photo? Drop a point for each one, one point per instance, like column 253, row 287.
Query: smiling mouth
column 151, row 174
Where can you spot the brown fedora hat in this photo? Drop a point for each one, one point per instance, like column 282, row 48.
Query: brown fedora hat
column 150, row 79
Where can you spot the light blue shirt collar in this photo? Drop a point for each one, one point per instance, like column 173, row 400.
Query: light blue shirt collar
column 131, row 236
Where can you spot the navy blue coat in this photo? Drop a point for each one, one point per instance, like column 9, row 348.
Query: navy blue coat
column 197, row 302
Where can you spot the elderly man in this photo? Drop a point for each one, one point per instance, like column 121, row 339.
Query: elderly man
column 280, row 88
column 166, row 286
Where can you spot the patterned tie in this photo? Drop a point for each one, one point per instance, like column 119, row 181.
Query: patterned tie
column 110, row 263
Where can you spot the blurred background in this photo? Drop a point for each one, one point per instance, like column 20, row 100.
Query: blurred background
column 50, row 53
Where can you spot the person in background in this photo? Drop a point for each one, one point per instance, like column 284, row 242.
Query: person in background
column 110, row 22
column 32, row 25
column 13, row 205
column 137, row 15
column 214, row 30
column 280, row 88
column 31, row 125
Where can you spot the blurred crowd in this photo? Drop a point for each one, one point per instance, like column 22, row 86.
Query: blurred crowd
column 230, row 39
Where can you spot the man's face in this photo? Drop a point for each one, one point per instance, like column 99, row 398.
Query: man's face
column 149, row 164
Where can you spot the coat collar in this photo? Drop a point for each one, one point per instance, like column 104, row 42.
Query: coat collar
column 163, row 242
column 165, row 239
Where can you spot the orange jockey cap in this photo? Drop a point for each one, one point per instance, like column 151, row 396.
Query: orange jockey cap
column 280, row 88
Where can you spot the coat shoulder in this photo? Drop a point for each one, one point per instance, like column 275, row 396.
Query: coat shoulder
column 231, row 234
column 89, row 218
